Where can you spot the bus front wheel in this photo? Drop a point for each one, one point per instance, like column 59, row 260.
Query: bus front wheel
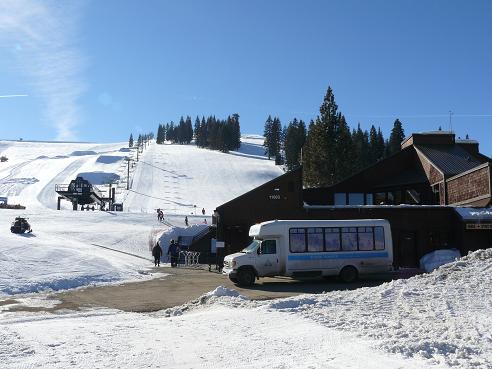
column 348, row 274
column 246, row 277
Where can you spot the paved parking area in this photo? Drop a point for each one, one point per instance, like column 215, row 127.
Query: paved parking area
column 182, row 285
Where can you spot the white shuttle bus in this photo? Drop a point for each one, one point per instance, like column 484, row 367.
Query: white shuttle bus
column 300, row 248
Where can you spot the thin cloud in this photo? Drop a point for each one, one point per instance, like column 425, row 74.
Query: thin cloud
column 44, row 35
column 7, row 96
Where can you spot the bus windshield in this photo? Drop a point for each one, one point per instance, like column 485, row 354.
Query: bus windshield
column 252, row 247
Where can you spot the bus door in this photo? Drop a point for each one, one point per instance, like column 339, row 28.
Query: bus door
column 267, row 262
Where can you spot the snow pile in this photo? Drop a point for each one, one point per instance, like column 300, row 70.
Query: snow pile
column 220, row 296
column 175, row 232
column 435, row 259
column 222, row 291
column 443, row 316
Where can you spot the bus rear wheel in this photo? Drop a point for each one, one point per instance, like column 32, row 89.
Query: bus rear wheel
column 349, row 274
column 246, row 277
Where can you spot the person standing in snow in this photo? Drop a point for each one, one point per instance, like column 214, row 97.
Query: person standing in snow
column 203, row 211
column 186, row 220
column 174, row 252
column 157, row 253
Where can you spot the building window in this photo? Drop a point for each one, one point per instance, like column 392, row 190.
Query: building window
column 297, row 240
column 340, row 198
column 315, row 239
column 356, row 199
column 380, row 198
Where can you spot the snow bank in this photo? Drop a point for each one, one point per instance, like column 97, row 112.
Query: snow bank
column 223, row 291
column 174, row 232
column 443, row 316
column 435, row 259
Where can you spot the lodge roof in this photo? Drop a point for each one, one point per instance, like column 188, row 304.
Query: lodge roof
column 450, row 159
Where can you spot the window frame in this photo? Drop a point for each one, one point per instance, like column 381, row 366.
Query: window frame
column 377, row 232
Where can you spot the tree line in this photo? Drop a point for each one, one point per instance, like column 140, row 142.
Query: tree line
column 210, row 132
column 328, row 150
column 141, row 139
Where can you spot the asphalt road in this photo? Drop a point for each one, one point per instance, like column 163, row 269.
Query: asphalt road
column 183, row 285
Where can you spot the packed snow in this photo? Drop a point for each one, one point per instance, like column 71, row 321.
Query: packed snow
column 436, row 320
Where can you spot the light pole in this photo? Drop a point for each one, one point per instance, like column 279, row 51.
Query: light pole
column 128, row 160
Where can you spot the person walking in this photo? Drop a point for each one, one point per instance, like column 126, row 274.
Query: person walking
column 174, row 252
column 157, row 253
column 203, row 211
column 186, row 220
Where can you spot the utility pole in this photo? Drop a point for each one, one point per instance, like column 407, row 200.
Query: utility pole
column 128, row 174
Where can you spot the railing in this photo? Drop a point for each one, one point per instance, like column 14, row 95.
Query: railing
column 61, row 187
column 190, row 258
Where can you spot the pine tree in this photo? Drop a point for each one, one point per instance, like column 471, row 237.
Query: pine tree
column 197, row 131
column 130, row 141
column 236, row 132
column 396, row 137
column 294, row 139
column 267, row 133
column 380, row 145
column 320, row 159
column 344, row 148
column 188, row 131
column 361, row 147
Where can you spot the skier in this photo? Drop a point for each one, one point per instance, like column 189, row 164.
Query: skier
column 157, row 253
column 174, row 252
column 203, row 211
column 186, row 220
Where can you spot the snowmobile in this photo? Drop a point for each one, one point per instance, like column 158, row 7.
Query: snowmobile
column 20, row 225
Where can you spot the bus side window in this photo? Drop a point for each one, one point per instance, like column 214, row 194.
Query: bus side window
column 349, row 239
column 379, row 238
column 297, row 240
column 366, row 239
column 332, row 239
column 315, row 239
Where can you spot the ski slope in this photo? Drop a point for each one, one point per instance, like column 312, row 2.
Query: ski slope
column 182, row 179
column 73, row 249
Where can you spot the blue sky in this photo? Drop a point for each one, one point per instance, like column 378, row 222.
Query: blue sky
column 100, row 70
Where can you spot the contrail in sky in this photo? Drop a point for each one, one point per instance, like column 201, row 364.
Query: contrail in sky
column 46, row 33
column 13, row 96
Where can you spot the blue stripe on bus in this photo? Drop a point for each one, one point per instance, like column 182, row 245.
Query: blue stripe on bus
column 324, row 256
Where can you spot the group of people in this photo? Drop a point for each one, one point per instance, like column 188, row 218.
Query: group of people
column 173, row 252
column 160, row 216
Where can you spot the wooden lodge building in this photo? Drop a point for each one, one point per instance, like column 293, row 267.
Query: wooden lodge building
column 435, row 192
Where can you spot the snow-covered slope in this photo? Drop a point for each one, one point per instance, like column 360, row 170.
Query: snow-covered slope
column 176, row 178
column 70, row 249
